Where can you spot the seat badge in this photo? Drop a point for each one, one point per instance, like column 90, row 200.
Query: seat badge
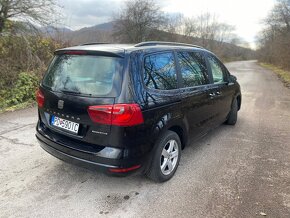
column 60, row 104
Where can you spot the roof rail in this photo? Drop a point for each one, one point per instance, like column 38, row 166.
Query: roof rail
column 94, row 43
column 152, row 43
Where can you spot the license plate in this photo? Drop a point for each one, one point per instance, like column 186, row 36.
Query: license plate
column 65, row 124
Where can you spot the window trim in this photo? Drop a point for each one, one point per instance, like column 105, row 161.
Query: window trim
column 176, row 69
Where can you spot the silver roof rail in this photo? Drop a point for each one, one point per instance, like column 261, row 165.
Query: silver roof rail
column 152, row 43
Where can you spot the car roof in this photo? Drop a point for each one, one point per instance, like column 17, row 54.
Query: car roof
column 121, row 49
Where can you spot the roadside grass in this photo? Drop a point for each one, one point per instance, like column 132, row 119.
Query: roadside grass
column 21, row 94
column 283, row 75
column 23, row 105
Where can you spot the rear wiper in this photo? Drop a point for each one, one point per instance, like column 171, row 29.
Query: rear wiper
column 70, row 92
column 75, row 93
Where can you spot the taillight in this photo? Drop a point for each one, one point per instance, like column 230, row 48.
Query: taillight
column 39, row 98
column 117, row 114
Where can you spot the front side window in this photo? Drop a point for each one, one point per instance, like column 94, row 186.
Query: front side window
column 193, row 68
column 160, row 71
column 216, row 69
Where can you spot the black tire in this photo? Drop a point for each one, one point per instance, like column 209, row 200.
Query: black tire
column 233, row 115
column 154, row 172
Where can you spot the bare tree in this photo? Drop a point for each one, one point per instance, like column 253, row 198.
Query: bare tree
column 190, row 26
column 279, row 17
column 35, row 11
column 207, row 28
column 274, row 39
column 174, row 23
column 137, row 19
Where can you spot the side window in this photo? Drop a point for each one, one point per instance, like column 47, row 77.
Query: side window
column 160, row 71
column 216, row 69
column 192, row 68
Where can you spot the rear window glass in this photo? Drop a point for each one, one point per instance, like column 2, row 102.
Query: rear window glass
column 83, row 74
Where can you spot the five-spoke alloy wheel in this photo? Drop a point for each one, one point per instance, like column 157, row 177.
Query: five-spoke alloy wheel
column 169, row 157
column 166, row 157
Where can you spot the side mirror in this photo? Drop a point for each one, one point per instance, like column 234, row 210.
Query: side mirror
column 232, row 79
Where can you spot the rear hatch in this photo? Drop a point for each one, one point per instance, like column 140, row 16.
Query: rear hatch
column 74, row 82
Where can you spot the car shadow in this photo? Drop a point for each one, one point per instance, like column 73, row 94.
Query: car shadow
column 81, row 175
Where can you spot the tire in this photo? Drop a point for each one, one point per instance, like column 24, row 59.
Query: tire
column 166, row 157
column 233, row 115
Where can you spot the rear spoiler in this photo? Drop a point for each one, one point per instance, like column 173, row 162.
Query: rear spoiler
column 89, row 52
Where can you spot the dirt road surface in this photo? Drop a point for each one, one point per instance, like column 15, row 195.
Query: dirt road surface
column 240, row 171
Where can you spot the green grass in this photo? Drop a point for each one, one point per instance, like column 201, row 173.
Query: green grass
column 282, row 74
column 19, row 106
column 21, row 94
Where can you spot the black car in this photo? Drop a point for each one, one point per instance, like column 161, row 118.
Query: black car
column 132, row 108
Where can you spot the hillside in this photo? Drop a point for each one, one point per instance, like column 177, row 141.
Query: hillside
column 104, row 33
column 97, row 33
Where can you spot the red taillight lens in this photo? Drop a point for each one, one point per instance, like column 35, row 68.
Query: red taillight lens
column 39, row 98
column 101, row 114
column 117, row 114
column 126, row 115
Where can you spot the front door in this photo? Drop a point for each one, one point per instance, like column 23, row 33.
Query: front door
column 221, row 92
column 197, row 105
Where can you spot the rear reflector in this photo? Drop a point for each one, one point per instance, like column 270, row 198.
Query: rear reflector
column 39, row 98
column 117, row 114
column 124, row 170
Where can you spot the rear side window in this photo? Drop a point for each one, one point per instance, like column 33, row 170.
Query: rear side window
column 160, row 71
column 193, row 68
column 216, row 69
column 83, row 74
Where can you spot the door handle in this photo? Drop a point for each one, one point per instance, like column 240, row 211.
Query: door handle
column 218, row 93
column 211, row 95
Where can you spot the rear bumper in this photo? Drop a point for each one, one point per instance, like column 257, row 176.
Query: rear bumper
column 108, row 160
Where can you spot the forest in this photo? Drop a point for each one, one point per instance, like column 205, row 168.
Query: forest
column 26, row 49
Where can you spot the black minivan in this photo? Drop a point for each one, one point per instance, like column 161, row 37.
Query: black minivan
column 132, row 108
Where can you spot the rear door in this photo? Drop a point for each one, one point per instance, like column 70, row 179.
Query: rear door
column 161, row 96
column 73, row 82
column 196, row 102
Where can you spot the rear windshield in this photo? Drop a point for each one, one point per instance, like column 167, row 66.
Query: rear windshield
column 83, row 74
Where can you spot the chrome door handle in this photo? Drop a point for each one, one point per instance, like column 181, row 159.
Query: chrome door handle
column 218, row 93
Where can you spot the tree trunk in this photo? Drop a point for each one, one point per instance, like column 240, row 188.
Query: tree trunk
column 2, row 23
column 3, row 14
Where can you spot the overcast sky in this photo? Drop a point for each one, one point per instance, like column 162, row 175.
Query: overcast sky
column 245, row 15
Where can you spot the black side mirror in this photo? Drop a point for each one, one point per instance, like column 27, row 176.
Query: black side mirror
column 232, row 79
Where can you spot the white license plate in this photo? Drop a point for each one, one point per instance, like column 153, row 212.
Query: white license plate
column 65, row 124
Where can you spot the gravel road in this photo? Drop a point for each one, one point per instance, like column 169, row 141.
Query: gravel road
column 240, row 171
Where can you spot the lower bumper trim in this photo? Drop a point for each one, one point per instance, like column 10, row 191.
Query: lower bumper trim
column 74, row 160
column 106, row 168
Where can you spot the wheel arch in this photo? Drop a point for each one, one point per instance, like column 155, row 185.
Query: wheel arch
column 239, row 100
column 182, row 134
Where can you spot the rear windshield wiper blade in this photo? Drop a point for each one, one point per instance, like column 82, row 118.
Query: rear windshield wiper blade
column 74, row 93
